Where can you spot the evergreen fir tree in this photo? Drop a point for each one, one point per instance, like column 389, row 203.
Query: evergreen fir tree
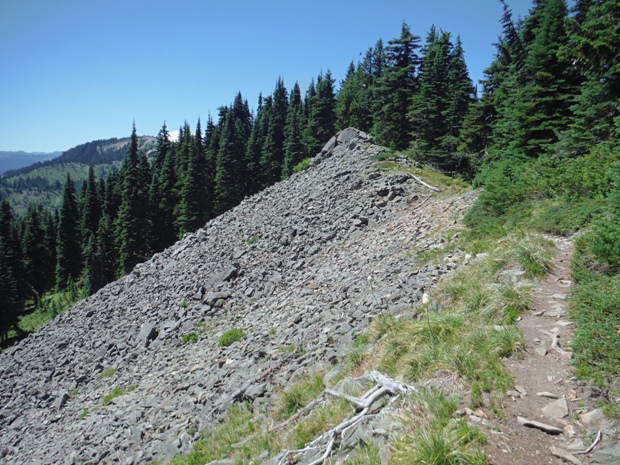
column 69, row 256
column 162, row 194
column 272, row 152
column 321, row 123
column 539, row 106
column 394, row 89
column 91, row 207
column 194, row 192
column 132, row 225
column 10, row 304
column 227, row 168
column 258, row 135
column 294, row 150
column 595, row 49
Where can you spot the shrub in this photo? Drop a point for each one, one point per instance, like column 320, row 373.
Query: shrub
column 302, row 165
column 231, row 336
column 117, row 392
column 190, row 337
column 108, row 372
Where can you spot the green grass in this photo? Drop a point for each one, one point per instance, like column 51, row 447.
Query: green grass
column 253, row 240
column 302, row 165
column 432, row 436
column 595, row 308
column 231, row 336
column 190, row 338
column 306, row 389
column 52, row 304
column 448, row 185
column 108, row 372
column 225, row 440
column 117, row 392
column 472, row 336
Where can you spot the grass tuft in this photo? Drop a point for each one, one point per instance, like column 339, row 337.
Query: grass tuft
column 230, row 337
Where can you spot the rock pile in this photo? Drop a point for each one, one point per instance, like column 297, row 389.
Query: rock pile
column 300, row 268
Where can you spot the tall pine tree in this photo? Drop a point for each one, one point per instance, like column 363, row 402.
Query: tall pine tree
column 69, row 254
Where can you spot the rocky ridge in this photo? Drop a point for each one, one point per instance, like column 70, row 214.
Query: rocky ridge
column 301, row 268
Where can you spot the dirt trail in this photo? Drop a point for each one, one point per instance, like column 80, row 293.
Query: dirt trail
column 545, row 369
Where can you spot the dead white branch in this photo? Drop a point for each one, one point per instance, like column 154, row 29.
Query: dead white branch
column 555, row 341
column 428, row 186
column 384, row 386
column 599, row 436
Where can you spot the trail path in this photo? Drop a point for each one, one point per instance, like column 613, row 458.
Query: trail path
column 545, row 390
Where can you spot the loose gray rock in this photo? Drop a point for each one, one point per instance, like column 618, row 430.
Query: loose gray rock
column 298, row 307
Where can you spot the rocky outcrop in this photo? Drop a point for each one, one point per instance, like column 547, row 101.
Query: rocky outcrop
column 300, row 268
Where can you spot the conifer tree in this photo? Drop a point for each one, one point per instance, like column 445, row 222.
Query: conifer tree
column 227, row 168
column 212, row 144
column 38, row 265
column 10, row 304
column 258, row 135
column 594, row 48
column 438, row 109
column 162, row 194
column 132, row 225
column 272, row 151
column 294, row 150
column 69, row 256
column 194, row 192
column 321, row 123
column 91, row 207
column 539, row 108
column 394, row 90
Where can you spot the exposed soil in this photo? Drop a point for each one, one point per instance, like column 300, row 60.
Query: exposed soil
column 544, row 369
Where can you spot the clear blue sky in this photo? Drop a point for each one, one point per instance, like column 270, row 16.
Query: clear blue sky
column 78, row 70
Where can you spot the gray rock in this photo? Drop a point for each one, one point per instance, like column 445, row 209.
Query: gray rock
column 607, row 454
column 146, row 335
column 62, row 399
column 556, row 409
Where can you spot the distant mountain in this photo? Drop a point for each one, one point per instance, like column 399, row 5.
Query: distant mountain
column 16, row 160
column 42, row 181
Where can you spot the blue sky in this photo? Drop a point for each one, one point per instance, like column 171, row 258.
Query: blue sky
column 78, row 70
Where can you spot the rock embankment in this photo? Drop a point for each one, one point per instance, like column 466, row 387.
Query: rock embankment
column 301, row 268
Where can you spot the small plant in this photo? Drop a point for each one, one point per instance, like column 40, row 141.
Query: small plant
column 183, row 304
column 74, row 391
column 356, row 355
column 231, row 336
column 190, row 337
column 289, row 349
column 108, row 372
column 299, row 395
column 253, row 239
column 83, row 414
column 272, row 331
column 117, row 392
column 302, row 165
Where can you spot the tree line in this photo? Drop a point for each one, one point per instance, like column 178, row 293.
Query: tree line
column 545, row 125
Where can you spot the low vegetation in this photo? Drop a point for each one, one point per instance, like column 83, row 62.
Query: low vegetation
column 117, row 392
column 230, row 337
column 191, row 337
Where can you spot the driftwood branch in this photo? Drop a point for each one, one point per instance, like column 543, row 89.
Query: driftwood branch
column 555, row 341
column 384, row 386
column 599, row 436
column 428, row 186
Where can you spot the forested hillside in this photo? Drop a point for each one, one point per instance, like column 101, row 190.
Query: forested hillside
column 541, row 138
column 41, row 183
